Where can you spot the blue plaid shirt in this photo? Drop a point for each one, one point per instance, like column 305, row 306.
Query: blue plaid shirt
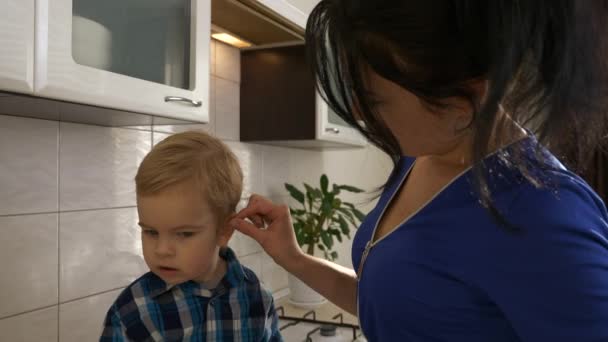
column 238, row 309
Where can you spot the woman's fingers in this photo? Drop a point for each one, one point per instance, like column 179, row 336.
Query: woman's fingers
column 258, row 221
column 259, row 207
column 278, row 240
column 248, row 229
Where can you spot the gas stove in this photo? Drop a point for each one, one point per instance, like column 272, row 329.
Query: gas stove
column 308, row 328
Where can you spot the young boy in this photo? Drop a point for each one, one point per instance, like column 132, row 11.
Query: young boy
column 187, row 188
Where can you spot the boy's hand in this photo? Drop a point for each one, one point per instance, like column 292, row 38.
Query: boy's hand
column 271, row 227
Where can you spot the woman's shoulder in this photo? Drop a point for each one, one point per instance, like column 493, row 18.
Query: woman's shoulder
column 535, row 192
column 540, row 185
column 562, row 199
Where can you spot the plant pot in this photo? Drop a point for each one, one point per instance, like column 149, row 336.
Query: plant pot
column 301, row 295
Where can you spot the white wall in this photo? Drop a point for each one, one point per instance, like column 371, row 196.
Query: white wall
column 69, row 239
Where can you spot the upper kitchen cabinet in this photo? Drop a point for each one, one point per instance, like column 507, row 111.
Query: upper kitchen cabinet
column 147, row 56
column 280, row 104
column 296, row 11
column 257, row 22
column 17, row 46
column 305, row 6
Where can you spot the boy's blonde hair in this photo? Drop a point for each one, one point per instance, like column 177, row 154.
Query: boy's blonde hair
column 198, row 159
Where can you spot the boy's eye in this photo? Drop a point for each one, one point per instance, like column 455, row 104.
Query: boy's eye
column 185, row 234
column 150, row 232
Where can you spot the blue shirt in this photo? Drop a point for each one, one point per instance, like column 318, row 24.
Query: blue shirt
column 238, row 309
column 451, row 273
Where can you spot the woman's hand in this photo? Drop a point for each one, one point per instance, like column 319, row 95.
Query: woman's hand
column 271, row 227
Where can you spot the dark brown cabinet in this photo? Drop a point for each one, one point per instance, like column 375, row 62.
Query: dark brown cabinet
column 280, row 106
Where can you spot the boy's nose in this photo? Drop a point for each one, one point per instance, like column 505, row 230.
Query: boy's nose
column 164, row 247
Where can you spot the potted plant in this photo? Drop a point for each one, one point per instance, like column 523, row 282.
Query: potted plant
column 319, row 219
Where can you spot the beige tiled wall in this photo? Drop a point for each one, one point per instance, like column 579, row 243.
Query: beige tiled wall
column 69, row 239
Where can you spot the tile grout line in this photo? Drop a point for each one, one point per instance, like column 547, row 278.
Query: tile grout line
column 28, row 311
column 130, row 127
column 58, row 230
column 69, row 211
column 29, row 214
column 98, row 209
column 91, row 295
column 58, row 304
column 250, row 254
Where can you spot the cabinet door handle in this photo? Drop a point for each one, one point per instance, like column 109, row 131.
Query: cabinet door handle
column 333, row 130
column 183, row 99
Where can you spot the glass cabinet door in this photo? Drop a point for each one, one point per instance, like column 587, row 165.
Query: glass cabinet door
column 145, row 39
column 17, row 46
column 331, row 127
column 334, row 119
column 146, row 56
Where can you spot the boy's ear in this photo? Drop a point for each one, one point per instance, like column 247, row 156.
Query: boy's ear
column 225, row 233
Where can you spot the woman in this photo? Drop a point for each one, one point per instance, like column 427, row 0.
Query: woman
column 480, row 234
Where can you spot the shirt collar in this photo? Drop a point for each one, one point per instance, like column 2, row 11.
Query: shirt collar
column 234, row 277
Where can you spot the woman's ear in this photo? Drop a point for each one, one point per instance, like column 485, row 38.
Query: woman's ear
column 460, row 118
column 461, row 123
column 463, row 119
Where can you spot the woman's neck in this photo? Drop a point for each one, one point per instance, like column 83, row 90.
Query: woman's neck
column 460, row 156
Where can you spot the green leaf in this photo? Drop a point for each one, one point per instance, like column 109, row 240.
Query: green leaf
column 314, row 192
column 327, row 205
column 350, row 188
column 358, row 214
column 297, row 212
column 350, row 205
column 326, row 208
column 334, row 255
column 321, row 247
column 334, row 231
column 295, row 193
column 348, row 214
column 324, row 183
column 308, row 187
column 339, row 237
column 336, row 189
column 310, row 196
column 336, row 203
column 343, row 225
column 328, row 241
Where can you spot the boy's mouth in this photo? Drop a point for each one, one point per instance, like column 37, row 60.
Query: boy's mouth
column 165, row 268
column 167, row 271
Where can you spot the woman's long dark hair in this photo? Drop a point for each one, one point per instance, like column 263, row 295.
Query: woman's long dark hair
column 545, row 61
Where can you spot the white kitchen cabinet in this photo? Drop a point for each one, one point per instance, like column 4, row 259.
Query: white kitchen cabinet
column 17, row 46
column 331, row 127
column 305, row 6
column 147, row 56
column 292, row 10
